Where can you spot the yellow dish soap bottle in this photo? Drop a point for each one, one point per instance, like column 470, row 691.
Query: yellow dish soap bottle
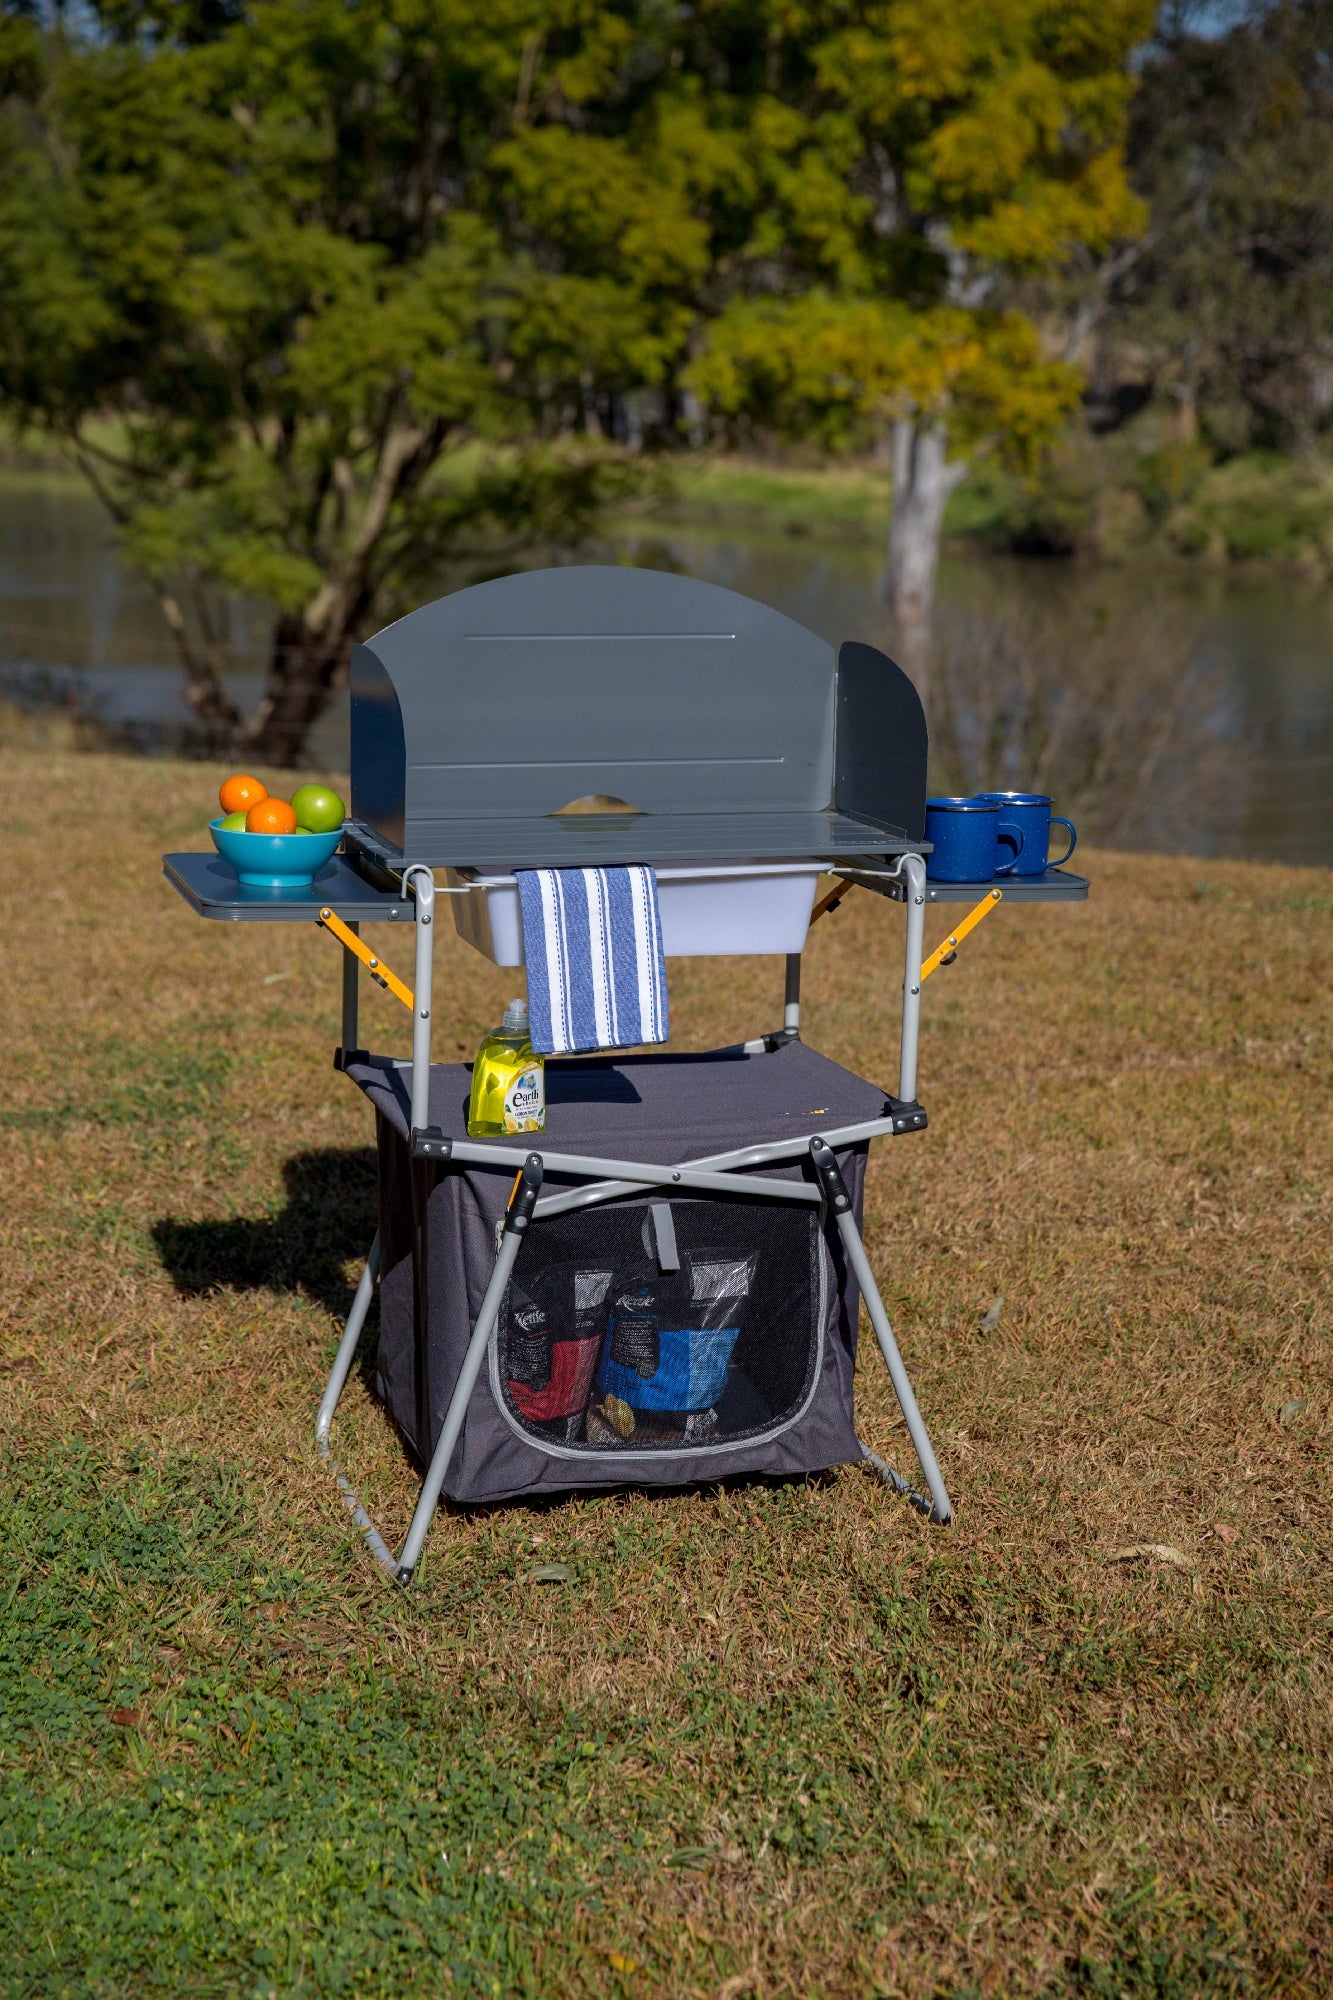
column 508, row 1081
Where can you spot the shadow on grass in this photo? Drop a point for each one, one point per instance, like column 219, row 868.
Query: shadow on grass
column 330, row 1216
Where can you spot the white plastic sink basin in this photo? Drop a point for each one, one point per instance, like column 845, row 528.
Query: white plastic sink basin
column 729, row 910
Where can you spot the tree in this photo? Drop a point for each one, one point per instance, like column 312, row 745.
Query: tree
column 904, row 163
column 320, row 295
column 935, row 382
column 317, row 303
column 1231, row 144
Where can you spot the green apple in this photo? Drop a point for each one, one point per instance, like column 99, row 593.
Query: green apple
column 317, row 809
column 233, row 823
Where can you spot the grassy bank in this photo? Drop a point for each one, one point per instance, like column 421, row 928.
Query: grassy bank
column 1133, row 495
column 1124, row 498
column 772, row 1740
column 832, row 502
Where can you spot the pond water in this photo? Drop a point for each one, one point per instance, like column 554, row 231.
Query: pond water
column 80, row 629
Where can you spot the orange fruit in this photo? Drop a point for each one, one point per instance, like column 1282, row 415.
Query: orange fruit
column 240, row 793
column 270, row 816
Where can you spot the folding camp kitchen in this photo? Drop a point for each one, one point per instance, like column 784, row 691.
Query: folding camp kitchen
column 733, row 750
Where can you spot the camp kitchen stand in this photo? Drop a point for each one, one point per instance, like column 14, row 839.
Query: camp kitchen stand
column 719, row 1193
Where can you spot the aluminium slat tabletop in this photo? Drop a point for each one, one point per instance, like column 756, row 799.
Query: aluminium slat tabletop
column 610, row 839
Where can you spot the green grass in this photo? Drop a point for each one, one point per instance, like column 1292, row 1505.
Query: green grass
column 773, row 1739
column 1259, row 508
column 839, row 502
column 1133, row 495
column 1127, row 498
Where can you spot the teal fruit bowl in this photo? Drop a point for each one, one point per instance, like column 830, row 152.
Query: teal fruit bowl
column 275, row 860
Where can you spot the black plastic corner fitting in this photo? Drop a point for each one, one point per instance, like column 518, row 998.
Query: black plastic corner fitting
column 429, row 1142
column 779, row 1039
column 826, row 1167
column 906, row 1113
column 527, row 1186
column 342, row 1057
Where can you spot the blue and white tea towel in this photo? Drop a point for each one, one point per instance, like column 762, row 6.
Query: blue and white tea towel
column 592, row 938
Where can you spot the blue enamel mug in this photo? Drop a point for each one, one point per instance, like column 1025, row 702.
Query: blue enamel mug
column 969, row 835
column 1032, row 812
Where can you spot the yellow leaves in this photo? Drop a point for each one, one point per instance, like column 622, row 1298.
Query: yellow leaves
column 563, row 326
column 1003, row 117
column 858, row 67
column 596, row 196
column 1011, row 398
column 826, row 365
column 695, row 155
column 776, row 127
column 1097, row 37
column 1047, row 218
column 934, row 47
column 606, row 41
column 983, row 152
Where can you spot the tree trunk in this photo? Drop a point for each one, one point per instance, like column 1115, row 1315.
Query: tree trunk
column 923, row 479
column 309, row 647
column 304, row 670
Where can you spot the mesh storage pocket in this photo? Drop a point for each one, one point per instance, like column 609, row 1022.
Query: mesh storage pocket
column 614, row 1338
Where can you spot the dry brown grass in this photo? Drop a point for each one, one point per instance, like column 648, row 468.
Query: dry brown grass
column 825, row 1748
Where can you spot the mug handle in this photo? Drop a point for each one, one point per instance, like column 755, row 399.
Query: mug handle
column 1006, row 830
column 1073, row 841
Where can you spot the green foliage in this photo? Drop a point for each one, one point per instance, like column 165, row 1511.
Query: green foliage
column 1169, row 475
column 1259, row 508
column 347, row 305
column 835, row 500
column 1144, row 491
column 1049, row 510
column 1230, row 300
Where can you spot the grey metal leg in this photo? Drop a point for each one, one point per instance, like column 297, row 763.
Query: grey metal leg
column 914, row 875
column 351, row 993
column 521, row 1204
column 356, row 1319
column 893, row 1361
column 342, row 1364
column 422, row 881
column 791, row 1013
column 791, row 1009
column 840, row 1202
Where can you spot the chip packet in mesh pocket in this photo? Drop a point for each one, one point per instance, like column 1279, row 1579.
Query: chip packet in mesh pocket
column 667, row 1350
column 553, row 1336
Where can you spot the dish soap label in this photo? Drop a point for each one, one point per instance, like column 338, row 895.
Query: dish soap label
column 508, row 1081
column 525, row 1100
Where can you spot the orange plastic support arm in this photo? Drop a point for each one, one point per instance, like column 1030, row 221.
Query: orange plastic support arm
column 376, row 967
column 943, row 953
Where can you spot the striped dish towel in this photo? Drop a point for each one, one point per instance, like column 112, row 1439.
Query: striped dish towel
column 592, row 938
